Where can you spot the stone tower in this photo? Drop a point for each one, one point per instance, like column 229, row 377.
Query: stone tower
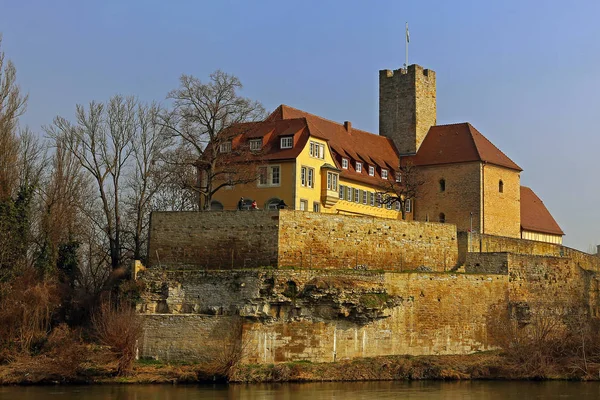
column 407, row 107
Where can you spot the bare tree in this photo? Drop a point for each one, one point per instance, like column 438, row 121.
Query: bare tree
column 149, row 173
column 202, row 118
column 12, row 106
column 403, row 188
column 101, row 141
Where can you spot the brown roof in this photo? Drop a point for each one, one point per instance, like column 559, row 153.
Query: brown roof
column 535, row 216
column 455, row 143
column 444, row 144
column 355, row 144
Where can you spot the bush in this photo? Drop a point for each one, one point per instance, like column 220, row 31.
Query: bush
column 119, row 328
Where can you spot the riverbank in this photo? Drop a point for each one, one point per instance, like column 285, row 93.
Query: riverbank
column 489, row 365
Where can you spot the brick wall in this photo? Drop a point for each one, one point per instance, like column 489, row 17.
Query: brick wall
column 313, row 240
column 213, row 240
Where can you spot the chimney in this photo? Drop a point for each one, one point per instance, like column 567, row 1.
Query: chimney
column 348, row 126
column 407, row 106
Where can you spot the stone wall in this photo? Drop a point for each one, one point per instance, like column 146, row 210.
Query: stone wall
column 284, row 238
column 320, row 315
column 477, row 243
column 487, row 263
column 501, row 210
column 213, row 240
column 313, row 240
column 185, row 337
column 461, row 197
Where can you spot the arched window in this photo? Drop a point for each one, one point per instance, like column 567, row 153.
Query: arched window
column 442, row 185
column 273, row 203
column 501, row 186
column 442, row 218
column 216, row 205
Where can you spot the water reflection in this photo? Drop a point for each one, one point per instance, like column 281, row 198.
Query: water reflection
column 423, row 390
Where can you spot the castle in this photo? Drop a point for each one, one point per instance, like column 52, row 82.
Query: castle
column 352, row 278
column 317, row 165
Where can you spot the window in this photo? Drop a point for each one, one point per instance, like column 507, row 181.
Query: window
column 379, row 200
column 216, row 206
column 371, row 171
column 332, row 181
column 442, row 185
column 225, row 147
column 384, row 173
column 398, row 177
column 287, row 142
column 388, row 204
column 501, row 186
column 273, row 204
column 342, row 188
column 364, row 196
column 358, row 166
column 442, row 218
column 316, row 207
column 255, row 144
column 269, row 175
column 317, row 150
column 372, row 198
column 398, row 206
column 275, row 175
column 262, row 176
column 307, row 176
column 356, row 196
column 349, row 194
column 408, row 206
column 345, row 163
column 303, row 205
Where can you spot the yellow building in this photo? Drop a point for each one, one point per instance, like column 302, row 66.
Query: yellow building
column 314, row 164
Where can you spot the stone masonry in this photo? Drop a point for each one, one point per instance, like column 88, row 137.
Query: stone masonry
column 407, row 106
column 248, row 239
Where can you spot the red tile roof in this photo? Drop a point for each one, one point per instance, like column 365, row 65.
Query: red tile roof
column 455, row 143
column 444, row 144
column 535, row 217
column 354, row 144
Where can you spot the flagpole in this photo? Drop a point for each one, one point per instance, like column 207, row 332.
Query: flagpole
column 406, row 44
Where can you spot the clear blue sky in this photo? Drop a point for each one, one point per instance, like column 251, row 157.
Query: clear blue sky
column 525, row 73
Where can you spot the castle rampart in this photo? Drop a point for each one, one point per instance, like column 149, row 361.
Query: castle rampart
column 323, row 311
column 249, row 239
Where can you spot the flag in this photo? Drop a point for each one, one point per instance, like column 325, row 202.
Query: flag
column 407, row 34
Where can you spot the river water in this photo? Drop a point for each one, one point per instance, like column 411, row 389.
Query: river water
column 421, row 390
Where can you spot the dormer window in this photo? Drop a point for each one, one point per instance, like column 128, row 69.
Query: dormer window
column 358, row 166
column 287, row 142
column 255, row 144
column 345, row 163
column 398, row 177
column 371, row 170
column 317, row 150
column 384, row 173
column 225, row 147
